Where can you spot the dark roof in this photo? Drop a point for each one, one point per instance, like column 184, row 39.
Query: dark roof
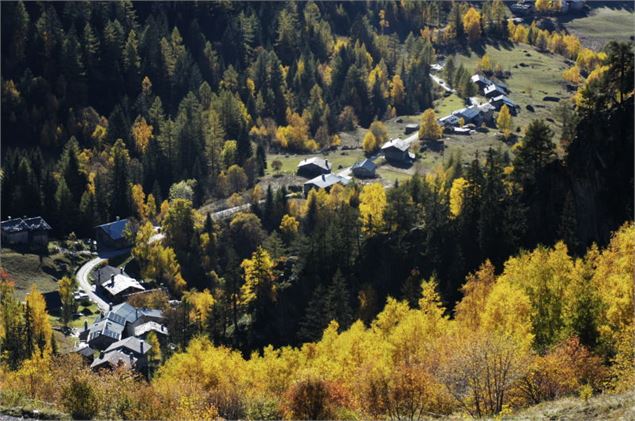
column 86, row 351
column 468, row 113
column 504, row 99
column 37, row 223
column 131, row 344
column 114, row 230
column 367, row 164
column 494, row 88
column 114, row 358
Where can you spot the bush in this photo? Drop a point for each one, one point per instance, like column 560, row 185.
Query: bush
column 80, row 399
column 310, row 400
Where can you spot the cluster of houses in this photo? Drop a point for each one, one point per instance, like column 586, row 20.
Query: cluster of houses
column 526, row 7
column 318, row 171
column 477, row 114
column 33, row 232
column 118, row 338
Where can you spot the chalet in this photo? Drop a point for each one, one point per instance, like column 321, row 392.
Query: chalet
column 411, row 128
column 501, row 100
column 312, row 167
column 494, row 90
column 396, row 152
column 487, row 112
column 470, row 115
column 481, row 81
column 119, row 323
column 364, row 169
column 112, row 235
column 118, row 287
column 325, row 181
column 32, row 231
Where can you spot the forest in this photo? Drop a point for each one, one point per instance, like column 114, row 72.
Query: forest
column 487, row 285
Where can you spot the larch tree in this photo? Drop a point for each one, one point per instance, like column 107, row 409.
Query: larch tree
column 504, row 121
column 429, row 127
column 372, row 207
column 67, row 286
column 472, row 25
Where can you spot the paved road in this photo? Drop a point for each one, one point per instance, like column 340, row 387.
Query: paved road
column 442, row 83
column 84, row 283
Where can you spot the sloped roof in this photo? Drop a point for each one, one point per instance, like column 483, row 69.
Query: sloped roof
column 115, row 358
column 366, row 164
column 106, row 327
column 469, row 112
column 400, row 144
column 114, row 230
column 36, row 223
column 480, row 78
column 494, row 88
column 131, row 344
column 503, row 98
column 119, row 283
column 150, row 326
column 316, row 160
column 327, row 180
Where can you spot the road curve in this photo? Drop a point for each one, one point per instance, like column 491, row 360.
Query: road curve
column 84, row 283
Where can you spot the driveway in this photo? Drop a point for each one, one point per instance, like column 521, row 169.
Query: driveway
column 85, row 285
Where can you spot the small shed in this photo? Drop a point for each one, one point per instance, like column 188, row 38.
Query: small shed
column 411, row 128
column 364, row 169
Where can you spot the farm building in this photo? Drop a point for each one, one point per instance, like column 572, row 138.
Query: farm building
column 364, row 169
column 112, row 235
column 32, row 231
column 325, row 181
column 312, row 167
column 501, row 100
column 396, row 152
column 449, row 121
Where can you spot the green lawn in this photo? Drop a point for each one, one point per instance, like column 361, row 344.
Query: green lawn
column 602, row 25
column 445, row 105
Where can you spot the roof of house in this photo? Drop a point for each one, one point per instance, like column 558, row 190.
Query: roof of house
column 480, row 78
column 150, row 326
column 86, row 351
column 327, row 180
column 449, row 118
column 114, row 322
column 400, row 144
column 366, row 164
column 106, row 327
column 412, row 126
column 494, row 88
column 119, row 283
column 468, row 113
column 36, row 223
column 115, row 229
column 131, row 344
column 115, row 358
column 316, row 160
column 504, row 99
column 486, row 107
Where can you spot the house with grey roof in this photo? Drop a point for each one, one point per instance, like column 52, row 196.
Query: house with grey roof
column 481, row 81
column 396, row 152
column 32, row 231
column 118, row 287
column 314, row 166
column 112, row 360
column 501, row 100
column 113, row 235
column 494, row 90
column 325, row 181
column 364, row 169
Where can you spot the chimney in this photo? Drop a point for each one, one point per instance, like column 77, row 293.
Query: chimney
column 109, row 306
column 112, row 280
column 121, row 270
column 136, row 313
column 141, row 347
column 117, row 217
column 323, row 177
column 85, row 325
column 101, row 354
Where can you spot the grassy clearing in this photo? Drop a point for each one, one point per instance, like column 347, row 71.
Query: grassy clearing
column 27, row 269
column 602, row 25
column 601, row 407
column 445, row 105
column 339, row 159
